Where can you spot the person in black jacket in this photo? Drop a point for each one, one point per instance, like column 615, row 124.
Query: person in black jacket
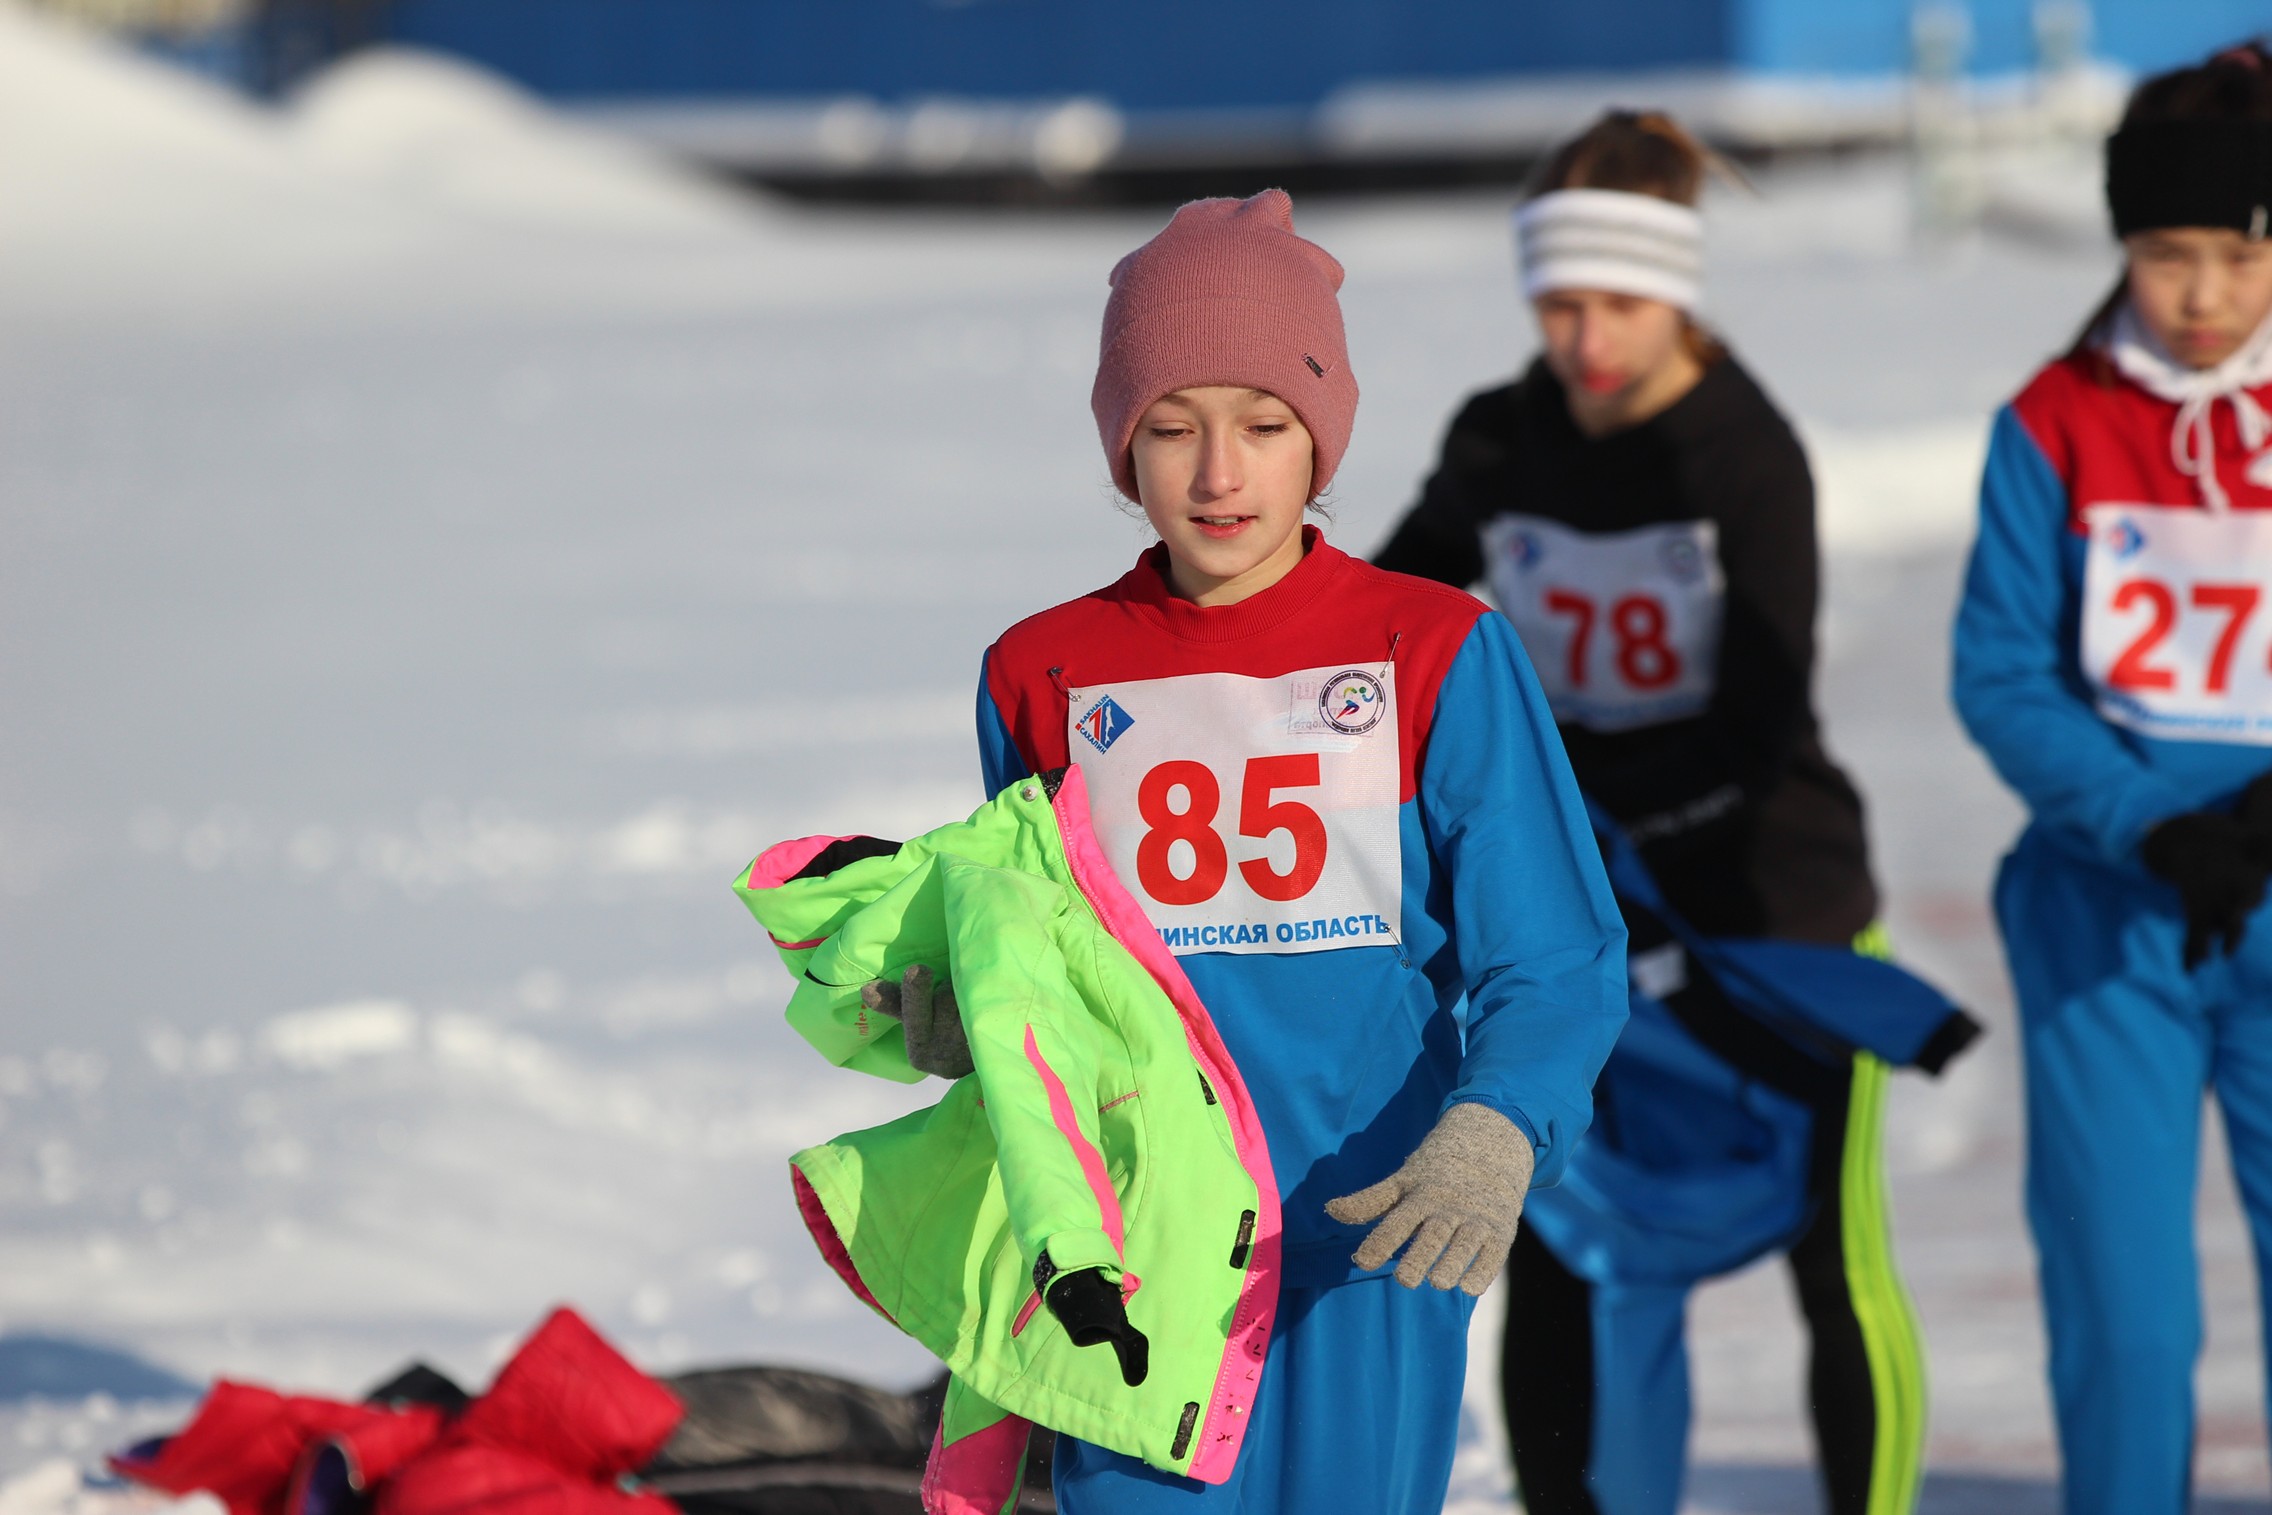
column 1644, row 515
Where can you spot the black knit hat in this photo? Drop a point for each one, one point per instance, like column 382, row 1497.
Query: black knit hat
column 2191, row 173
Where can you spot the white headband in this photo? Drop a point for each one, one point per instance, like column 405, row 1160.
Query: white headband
column 1609, row 239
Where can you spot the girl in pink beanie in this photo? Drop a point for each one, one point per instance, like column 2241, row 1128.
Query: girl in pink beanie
column 1399, row 924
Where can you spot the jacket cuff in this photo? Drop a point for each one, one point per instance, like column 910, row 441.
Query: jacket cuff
column 2146, row 806
column 1071, row 1251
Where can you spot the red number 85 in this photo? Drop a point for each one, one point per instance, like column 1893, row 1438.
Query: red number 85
column 1195, row 824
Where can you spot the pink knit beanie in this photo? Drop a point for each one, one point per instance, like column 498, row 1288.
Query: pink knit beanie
column 1227, row 294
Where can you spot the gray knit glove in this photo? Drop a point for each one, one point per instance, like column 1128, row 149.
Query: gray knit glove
column 1457, row 1198
column 931, row 1020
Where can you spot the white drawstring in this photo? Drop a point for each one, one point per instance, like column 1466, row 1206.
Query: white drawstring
column 2196, row 391
column 2193, row 440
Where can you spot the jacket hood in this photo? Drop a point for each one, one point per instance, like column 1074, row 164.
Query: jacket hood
column 843, row 910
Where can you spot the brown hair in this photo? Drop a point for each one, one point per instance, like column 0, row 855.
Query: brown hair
column 1641, row 152
column 2232, row 84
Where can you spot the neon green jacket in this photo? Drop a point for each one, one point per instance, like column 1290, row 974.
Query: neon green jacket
column 1105, row 1127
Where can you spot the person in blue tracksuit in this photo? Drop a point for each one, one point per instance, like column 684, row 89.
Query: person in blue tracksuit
column 2113, row 657
column 1338, row 795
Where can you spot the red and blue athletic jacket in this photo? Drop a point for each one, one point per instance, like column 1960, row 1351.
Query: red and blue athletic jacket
column 2113, row 649
column 1343, row 805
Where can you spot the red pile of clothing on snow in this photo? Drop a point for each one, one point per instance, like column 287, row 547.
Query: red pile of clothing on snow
column 556, row 1434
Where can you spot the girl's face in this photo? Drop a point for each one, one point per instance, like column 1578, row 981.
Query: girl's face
column 1620, row 357
column 2200, row 290
column 1224, row 475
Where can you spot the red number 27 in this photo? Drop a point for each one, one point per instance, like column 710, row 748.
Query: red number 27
column 1194, row 825
column 2237, row 602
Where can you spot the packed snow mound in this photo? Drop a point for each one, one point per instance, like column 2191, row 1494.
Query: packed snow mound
column 445, row 134
column 130, row 186
column 107, row 158
column 64, row 96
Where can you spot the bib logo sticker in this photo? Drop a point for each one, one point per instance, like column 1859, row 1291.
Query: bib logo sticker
column 1683, row 559
column 1104, row 723
column 2124, row 539
column 1350, row 702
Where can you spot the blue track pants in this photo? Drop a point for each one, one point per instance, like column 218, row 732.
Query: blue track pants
column 1596, row 1374
column 1359, row 1410
column 2120, row 1042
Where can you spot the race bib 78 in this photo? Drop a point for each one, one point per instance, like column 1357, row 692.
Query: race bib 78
column 2176, row 631
column 1623, row 627
column 1250, row 814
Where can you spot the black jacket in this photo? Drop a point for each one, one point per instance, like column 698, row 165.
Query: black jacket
column 1748, row 825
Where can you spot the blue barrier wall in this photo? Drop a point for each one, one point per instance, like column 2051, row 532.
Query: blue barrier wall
column 1171, row 54
column 2152, row 37
column 1166, row 54
column 1872, row 36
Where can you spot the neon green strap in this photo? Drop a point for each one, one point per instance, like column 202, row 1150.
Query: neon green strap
column 1890, row 1337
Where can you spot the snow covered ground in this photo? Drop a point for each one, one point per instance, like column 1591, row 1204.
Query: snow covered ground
column 437, row 547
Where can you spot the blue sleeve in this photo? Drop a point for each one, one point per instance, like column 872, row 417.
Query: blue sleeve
column 2018, row 683
column 1000, row 764
column 1541, row 945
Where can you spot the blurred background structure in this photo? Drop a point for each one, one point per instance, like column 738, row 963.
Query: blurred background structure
column 1075, row 100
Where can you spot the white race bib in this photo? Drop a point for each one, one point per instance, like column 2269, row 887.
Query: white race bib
column 1250, row 815
column 1623, row 627
column 2177, row 637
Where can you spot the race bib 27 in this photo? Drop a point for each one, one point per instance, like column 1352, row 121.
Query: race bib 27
column 2176, row 634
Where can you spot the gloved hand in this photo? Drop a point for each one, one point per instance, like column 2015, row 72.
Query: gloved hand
column 2218, row 869
column 1458, row 1198
column 1092, row 1310
column 931, row 1020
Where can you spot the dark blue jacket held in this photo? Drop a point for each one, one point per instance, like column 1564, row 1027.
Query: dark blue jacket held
column 1706, row 1112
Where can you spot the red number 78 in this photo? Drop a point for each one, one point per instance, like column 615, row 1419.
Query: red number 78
column 1645, row 660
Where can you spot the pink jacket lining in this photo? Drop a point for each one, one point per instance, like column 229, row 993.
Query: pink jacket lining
column 782, row 862
column 1232, row 1409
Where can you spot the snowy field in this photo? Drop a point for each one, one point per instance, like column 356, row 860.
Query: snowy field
column 438, row 548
